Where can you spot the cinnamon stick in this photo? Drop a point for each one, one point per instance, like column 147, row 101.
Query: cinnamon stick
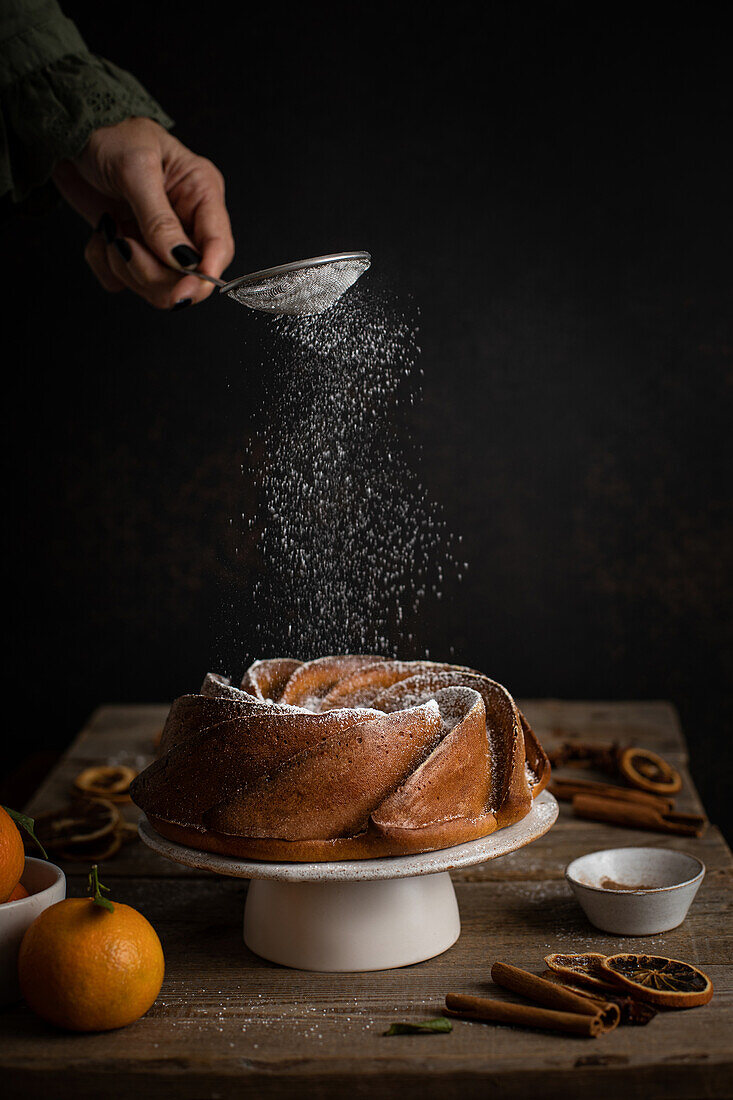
column 633, row 1012
column 490, row 1011
column 554, row 996
column 567, row 789
column 637, row 816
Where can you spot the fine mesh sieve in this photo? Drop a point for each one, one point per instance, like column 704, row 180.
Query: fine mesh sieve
column 299, row 289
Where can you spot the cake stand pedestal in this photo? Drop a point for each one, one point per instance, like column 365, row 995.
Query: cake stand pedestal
column 362, row 914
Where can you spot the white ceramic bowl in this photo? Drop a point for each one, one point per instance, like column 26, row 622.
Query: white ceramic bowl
column 635, row 891
column 46, row 884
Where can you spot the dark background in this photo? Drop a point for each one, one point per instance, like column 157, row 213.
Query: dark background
column 551, row 186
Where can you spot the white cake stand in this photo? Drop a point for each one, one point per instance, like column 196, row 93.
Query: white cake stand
column 361, row 914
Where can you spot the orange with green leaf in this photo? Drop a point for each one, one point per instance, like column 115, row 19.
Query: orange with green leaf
column 12, row 855
column 88, row 964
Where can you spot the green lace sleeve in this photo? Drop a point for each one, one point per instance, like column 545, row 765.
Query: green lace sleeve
column 54, row 93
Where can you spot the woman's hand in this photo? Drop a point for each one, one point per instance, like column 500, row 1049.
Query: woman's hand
column 155, row 205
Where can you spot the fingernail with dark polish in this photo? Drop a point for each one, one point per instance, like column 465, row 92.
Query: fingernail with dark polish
column 107, row 228
column 123, row 248
column 185, row 256
column 181, row 304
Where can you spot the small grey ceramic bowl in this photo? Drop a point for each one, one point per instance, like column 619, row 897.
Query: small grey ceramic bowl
column 635, row 891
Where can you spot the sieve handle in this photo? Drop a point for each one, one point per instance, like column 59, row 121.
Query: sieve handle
column 200, row 275
column 207, row 278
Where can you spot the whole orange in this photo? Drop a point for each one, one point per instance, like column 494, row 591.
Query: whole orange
column 18, row 893
column 85, row 968
column 12, row 855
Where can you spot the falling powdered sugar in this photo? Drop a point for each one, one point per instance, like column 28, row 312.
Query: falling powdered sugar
column 350, row 545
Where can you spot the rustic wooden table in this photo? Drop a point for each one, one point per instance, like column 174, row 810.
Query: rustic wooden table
column 228, row 1024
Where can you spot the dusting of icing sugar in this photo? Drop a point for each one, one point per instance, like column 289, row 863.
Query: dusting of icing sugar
column 221, row 687
column 454, row 704
column 408, row 699
column 278, row 708
column 312, row 703
column 312, row 707
column 350, row 545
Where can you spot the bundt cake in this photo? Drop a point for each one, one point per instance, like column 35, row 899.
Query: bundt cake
column 341, row 758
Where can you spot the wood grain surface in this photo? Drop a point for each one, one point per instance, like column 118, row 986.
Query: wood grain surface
column 228, row 1024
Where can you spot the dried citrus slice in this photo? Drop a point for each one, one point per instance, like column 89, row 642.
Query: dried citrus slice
column 633, row 1011
column 110, row 781
column 92, row 851
column 585, row 969
column 127, row 831
column 650, row 772
column 658, row 980
column 80, row 822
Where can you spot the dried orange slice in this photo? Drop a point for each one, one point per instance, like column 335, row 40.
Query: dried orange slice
column 648, row 771
column 81, row 822
column 127, row 831
column 585, row 969
column 633, row 1011
column 110, row 781
column 658, row 980
column 92, row 851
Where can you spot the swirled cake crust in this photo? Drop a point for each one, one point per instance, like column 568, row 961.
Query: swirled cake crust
column 345, row 757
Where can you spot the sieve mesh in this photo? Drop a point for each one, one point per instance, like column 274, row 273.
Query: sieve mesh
column 306, row 291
